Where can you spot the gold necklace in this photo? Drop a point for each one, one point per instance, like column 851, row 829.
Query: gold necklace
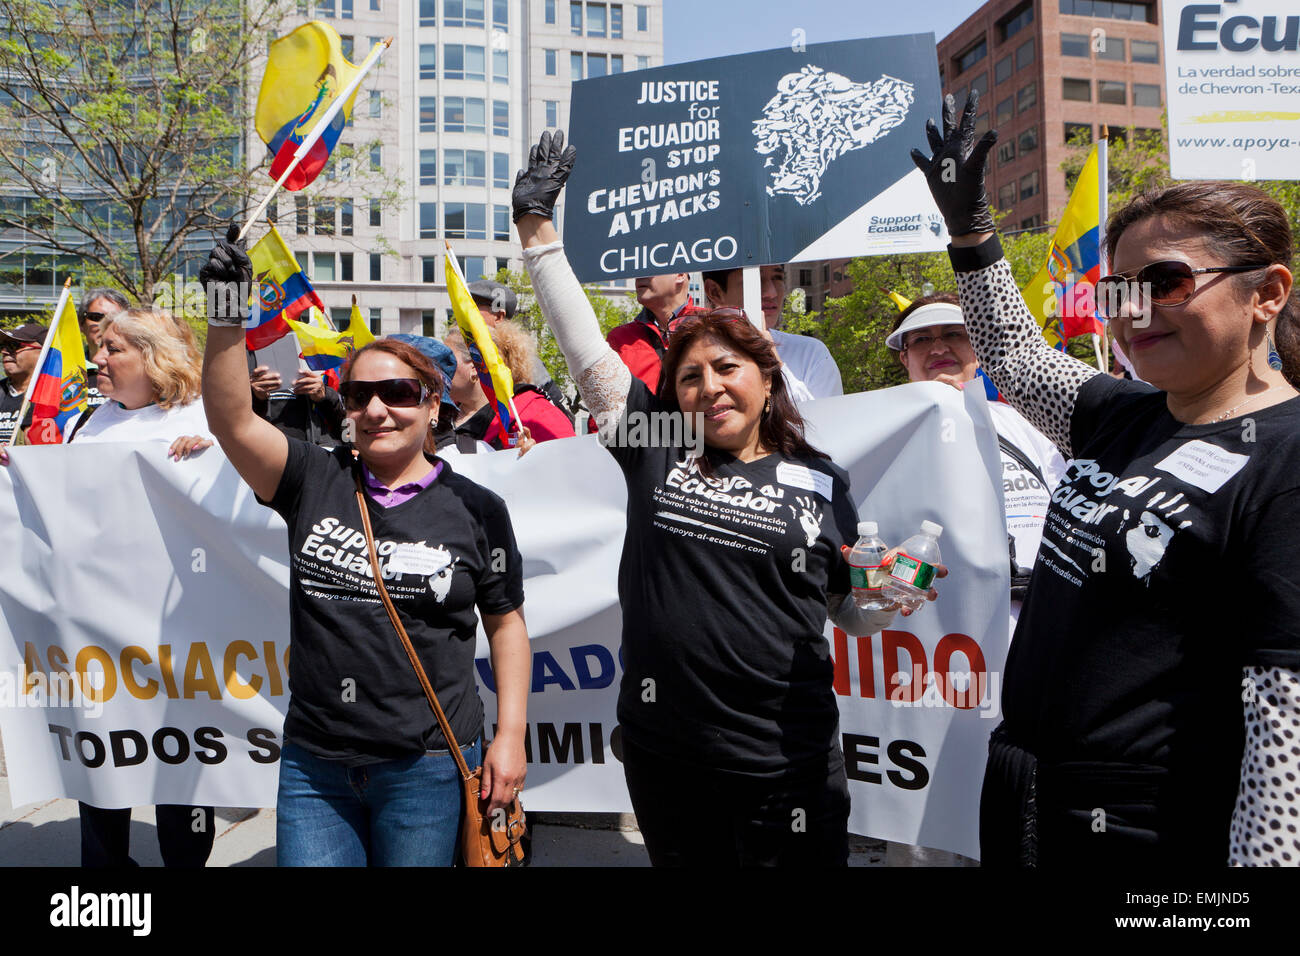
column 1228, row 413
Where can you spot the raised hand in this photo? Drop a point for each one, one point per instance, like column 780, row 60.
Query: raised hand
column 538, row 187
column 955, row 173
column 227, row 278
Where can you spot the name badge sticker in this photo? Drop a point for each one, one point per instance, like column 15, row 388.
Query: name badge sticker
column 1206, row 466
column 803, row 477
column 418, row 559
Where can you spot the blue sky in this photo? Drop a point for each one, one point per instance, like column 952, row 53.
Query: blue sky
column 699, row 29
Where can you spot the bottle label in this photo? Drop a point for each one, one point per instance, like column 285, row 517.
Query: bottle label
column 867, row 577
column 912, row 571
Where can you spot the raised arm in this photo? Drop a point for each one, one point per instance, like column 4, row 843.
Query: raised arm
column 1037, row 380
column 254, row 446
column 601, row 376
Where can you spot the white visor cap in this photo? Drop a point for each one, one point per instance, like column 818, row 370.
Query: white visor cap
column 936, row 313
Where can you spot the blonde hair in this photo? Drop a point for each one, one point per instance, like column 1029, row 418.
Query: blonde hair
column 516, row 348
column 171, row 354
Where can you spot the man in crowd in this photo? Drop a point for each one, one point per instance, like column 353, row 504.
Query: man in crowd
column 641, row 343
column 311, row 411
column 96, row 304
column 498, row 303
column 806, row 358
column 20, row 347
column 476, row 420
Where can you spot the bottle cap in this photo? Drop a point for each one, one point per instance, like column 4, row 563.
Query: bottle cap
column 867, row 528
column 931, row 528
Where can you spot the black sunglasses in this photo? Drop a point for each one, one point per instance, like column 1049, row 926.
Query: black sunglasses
column 93, row 316
column 393, row 392
column 13, row 348
column 1168, row 283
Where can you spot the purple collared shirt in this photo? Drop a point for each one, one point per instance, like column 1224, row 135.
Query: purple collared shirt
column 391, row 498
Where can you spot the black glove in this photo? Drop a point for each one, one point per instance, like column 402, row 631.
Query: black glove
column 538, row 186
column 956, row 173
column 227, row 279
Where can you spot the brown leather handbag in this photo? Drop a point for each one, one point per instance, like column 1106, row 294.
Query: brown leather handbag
column 501, row 839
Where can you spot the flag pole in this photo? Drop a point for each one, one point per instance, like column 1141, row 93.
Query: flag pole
column 1103, row 198
column 310, row 139
column 40, row 361
column 451, row 259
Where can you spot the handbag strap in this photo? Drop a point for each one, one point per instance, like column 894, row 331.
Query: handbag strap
column 401, row 633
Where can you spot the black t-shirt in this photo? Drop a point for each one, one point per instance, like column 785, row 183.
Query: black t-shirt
column 94, row 397
column 339, row 630
column 723, row 584
column 10, row 405
column 1169, row 562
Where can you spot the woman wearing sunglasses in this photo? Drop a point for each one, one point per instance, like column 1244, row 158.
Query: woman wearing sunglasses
column 1152, row 690
column 730, row 562
column 366, row 776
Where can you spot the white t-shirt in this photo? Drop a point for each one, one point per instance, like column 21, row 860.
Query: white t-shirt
column 1023, row 496
column 810, row 362
column 112, row 422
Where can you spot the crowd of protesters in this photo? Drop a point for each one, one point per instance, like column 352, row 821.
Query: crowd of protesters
column 1123, row 690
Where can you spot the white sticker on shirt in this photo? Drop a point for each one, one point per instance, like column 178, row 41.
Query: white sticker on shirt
column 1204, row 465
column 801, row 476
column 418, row 559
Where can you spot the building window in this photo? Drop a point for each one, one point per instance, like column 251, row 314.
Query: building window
column 475, row 268
column 464, row 167
column 1074, row 44
column 1028, row 140
column 325, row 8
column 1006, row 110
column 345, row 267
column 1007, row 196
column 464, row 220
column 501, row 14
column 1029, row 185
column 1025, row 54
column 982, row 125
column 428, row 268
column 616, row 21
column 428, row 220
column 375, row 321
column 595, row 19
column 1146, row 94
column 550, row 62
column 1072, row 89
column 376, row 213
column 376, row 104
column 345, row 217
column 323, row 264
column 1144, row 51
column 616, row 63
column 500, row 117
column 346, row 6
column 1003, row 70
column 575, row 66
column 1006, row 152
column 428, row 114
column 552, row 113
column 1110, row 48
column 428, row 13
column 374, row 5
column 325, row 218
column 1111, row 91
column 428, row 61
column 429, row 166
column 376, row 158
column 964, row 61
column 575, row 19
column 1112, row 9
column 642, row 62
column 1033, row 222
column 595, row 64
column 980, row 85
column 501, row 170
column 550, row 11
column 463, row 114
column 642, row 18
column 462, row 13
column 1083, row 132
column 347, row 44
column 376, row 267
column 462, row 62
column 500, row 66
column 300, row 223
column 303, row 261
column 1027, row 96
column 1015, row 21
column 1150, row 137
column 501, row 223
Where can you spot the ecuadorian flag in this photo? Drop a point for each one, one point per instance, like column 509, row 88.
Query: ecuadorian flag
column 59, row 392
column 324, row 350
column 283, row 291
column 305, row 72
column 493, row 374
column 1065, row 285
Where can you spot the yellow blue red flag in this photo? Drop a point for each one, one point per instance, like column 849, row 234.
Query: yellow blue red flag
column 59, row 391
column 325, row 350
column 283, row 291
column 1065, row 285
column 493, row 374
column 305, row 71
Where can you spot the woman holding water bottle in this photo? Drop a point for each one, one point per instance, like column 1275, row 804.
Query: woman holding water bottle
column 729, row 569
column 1150, row 717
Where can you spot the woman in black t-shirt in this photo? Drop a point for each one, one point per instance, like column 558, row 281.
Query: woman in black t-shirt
column 366, row 776
column 730, row 563
column 1152, row 691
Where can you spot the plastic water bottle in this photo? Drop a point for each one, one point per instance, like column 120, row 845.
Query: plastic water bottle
column 913, row 568
column 865, row 569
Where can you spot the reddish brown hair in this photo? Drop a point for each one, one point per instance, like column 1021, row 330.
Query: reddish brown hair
column 782, row 427
column 425, row 371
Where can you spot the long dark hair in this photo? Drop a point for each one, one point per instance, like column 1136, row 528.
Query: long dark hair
column 421, row 364
column 781, row 427
column 1241, row 224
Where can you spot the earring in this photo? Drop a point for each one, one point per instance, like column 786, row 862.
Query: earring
column 1274, row 360
column 767, row 405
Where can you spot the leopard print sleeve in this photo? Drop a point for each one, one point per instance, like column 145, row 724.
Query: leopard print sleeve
column 1040, row 382
column 1265, row 827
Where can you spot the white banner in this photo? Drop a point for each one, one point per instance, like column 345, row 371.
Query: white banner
column 1232, row 80
column 166, row 584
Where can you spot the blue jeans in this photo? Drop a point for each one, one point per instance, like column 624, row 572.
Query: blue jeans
column 403, row 812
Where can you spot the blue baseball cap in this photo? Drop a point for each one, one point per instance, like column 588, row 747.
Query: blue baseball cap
column 441, row 356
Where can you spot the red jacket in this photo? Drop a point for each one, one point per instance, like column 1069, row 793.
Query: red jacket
column 543, row 419
column 642, row 346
